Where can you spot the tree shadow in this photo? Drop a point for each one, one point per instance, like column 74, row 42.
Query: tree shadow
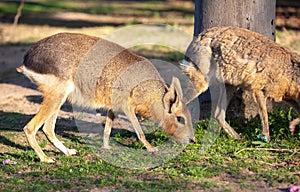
column 68, row 128
column 38, row 99
column 48, row 19
column 14, row 122
column 8, row 142
column 41, row 13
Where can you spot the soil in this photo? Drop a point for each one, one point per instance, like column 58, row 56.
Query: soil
column 14, row 87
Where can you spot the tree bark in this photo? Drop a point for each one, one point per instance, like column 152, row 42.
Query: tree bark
column 255, row 15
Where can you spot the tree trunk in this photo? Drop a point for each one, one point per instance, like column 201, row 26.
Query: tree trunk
column 255, row 15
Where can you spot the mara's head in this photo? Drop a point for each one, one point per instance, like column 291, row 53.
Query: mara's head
column 197, row 64
column 174, row 115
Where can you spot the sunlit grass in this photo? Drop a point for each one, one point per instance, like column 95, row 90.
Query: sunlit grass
column 275, row 162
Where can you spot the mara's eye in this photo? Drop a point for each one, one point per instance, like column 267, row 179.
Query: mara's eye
column 180, row 119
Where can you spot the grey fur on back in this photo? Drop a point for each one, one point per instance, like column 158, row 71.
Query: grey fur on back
column 67, row 49
column 96, row 66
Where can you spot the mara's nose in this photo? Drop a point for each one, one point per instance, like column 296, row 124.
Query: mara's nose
column 193, row 140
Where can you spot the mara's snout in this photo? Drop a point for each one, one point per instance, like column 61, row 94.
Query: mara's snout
column 179, row 123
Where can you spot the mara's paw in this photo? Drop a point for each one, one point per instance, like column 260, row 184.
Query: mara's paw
column 263, row 138
column 72, row 151
column 48, row 160
column 293, row 125
column 106, row 147
column 152, row 149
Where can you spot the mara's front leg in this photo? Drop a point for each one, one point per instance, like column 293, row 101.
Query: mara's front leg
column 219, row 105
column 260, row 99
column 107, row 129
column 137, row 127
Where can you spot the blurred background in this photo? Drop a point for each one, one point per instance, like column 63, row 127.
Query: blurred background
column 40, row 18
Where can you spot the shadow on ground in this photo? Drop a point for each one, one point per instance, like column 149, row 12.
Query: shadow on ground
column 102, row 13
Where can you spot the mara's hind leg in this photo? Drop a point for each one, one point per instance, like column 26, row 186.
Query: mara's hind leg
column 55, row 92
column 48, row 129
column 107, row 129
column 48, row 108
column 220, row 101
column 296, row 121
column 260, row 99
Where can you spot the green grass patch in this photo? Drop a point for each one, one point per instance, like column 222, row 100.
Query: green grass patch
column 147, row 8
column 160, row 52
column 192, row 169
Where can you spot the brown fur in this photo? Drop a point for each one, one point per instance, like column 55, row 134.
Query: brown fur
column 247, row 60
column 97, row 73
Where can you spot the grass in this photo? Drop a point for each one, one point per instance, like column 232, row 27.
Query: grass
column 145, row 8
column 54, row 6
column 160, row 52
column 275, row 163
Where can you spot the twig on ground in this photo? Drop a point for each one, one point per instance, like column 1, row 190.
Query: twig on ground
column 294, row 151
column 273, row 164
column 19, row 12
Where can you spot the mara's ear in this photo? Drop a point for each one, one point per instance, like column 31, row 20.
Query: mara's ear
column 174, row 95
